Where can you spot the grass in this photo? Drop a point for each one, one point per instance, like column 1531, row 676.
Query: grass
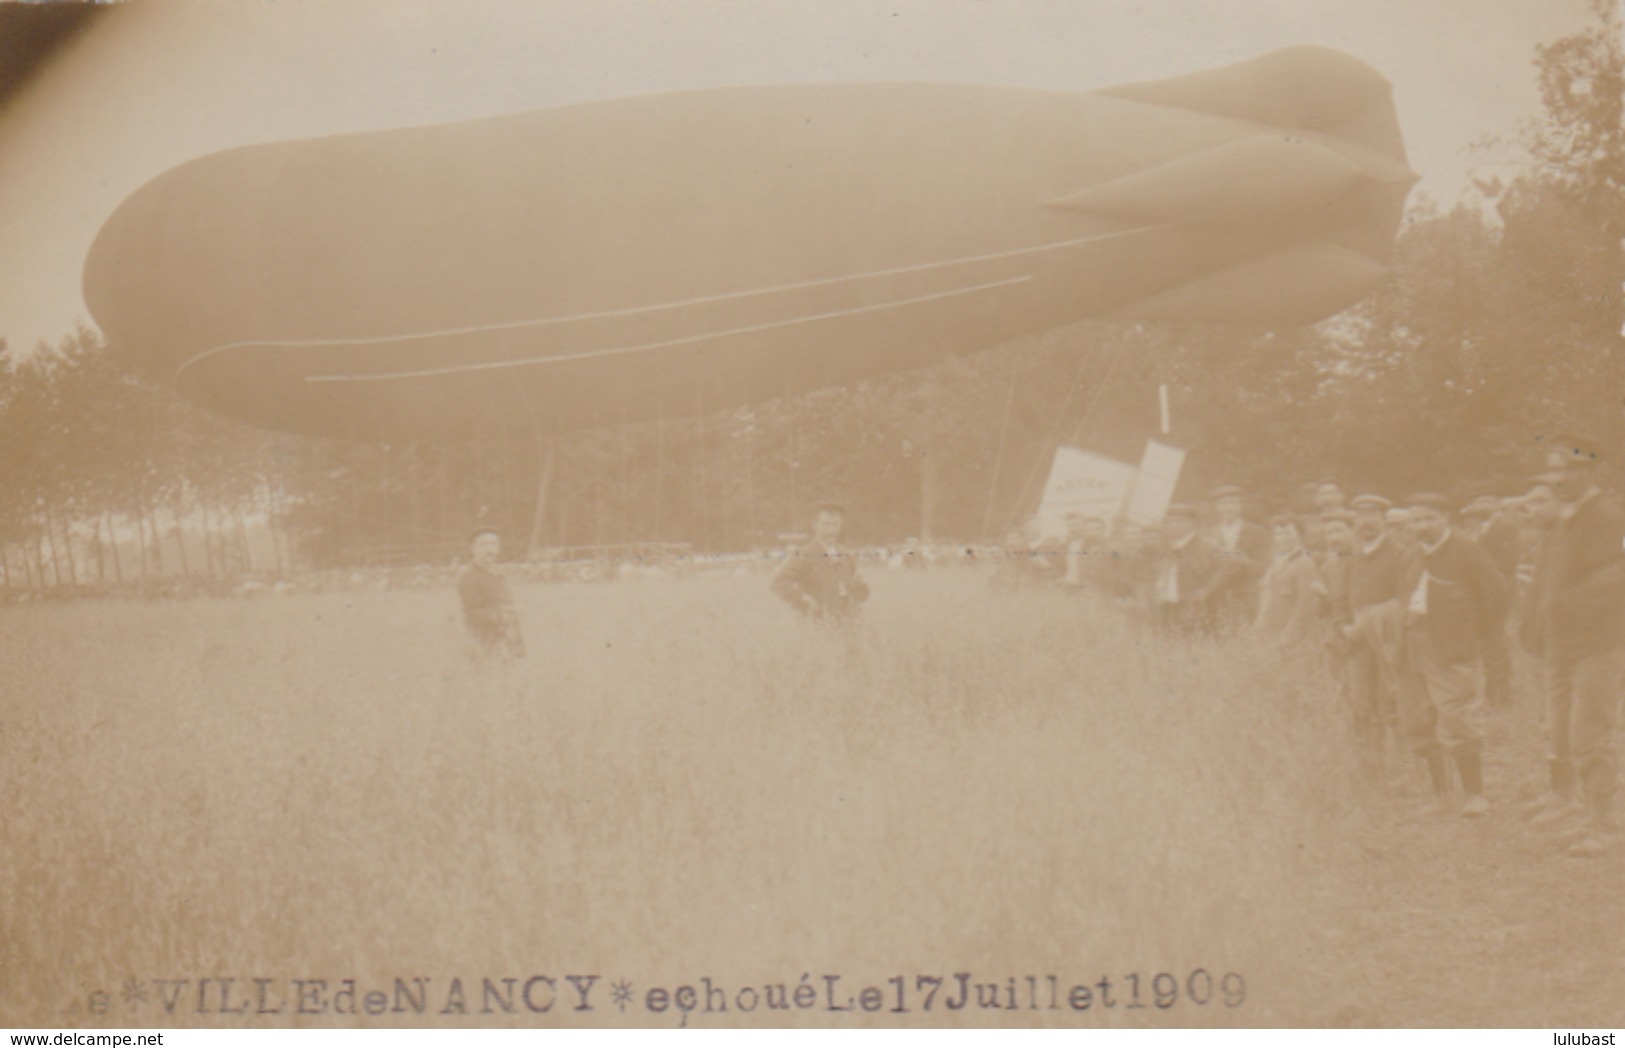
column 684, row 781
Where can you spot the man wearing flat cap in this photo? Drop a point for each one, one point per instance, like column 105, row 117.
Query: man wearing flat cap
column 1559, row 804
column 1498, row 538
column 1578, row 600
column 1323, row 497
column 1374, row 508
column 1455, row 609
column 1244, row 551
column 1291, row 589
column 1501, row 535
column 1373, row 623
column 1338, row 527
column 820, row 580
column 1398, row 525
column 1187, row 566
column 1475, row 516
column 489, row 613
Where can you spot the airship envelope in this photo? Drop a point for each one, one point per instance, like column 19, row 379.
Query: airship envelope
column 682, row 252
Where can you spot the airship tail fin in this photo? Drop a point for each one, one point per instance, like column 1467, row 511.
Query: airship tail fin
column 1307, row 88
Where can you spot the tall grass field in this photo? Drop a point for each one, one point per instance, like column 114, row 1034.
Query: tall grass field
column 313, row 811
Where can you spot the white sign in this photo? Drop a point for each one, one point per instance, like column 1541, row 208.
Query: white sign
column 1083, row 482
column 1154, row 489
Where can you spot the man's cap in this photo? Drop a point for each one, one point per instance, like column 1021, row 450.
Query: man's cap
column 1182, row 509
column 1226, row 491
column 1396, row 515
column 1328, row 483
column 1281, row 519
column 483, row 529
column 1342, row 515
column 1371, row 502
column 1429, row 500
column 1576, row 449
column 829, row 506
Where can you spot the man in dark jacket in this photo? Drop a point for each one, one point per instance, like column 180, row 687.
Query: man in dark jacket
column 1545, row 512
column 1578, row 601
column 1499, row 536
column 1180, row 590
column 488, row 607
column 1372, row 612
column 1244, row 552
column 1456, row 604
column 820, row 580
column 1481, row 521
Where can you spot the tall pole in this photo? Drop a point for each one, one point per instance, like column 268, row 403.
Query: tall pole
column 998, row 454
column 660, row 465
column 699, row 461
column 545, row 450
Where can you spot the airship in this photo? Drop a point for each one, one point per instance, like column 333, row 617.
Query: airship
column 677, row 253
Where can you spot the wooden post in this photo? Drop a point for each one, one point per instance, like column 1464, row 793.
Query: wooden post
column 545, row 449
column 750, row 481
column 998, row 453
column 928, row 492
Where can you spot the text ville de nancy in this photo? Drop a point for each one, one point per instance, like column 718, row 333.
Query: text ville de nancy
column 544, row 994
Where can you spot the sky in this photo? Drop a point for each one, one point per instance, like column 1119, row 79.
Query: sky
column 157, row 82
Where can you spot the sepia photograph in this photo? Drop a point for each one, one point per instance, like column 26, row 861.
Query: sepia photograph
column 868, row 514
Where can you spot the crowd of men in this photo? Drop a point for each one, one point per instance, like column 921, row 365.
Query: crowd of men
column 1410, row 607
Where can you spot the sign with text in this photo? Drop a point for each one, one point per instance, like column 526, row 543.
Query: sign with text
column 1154, row 487
column 1083, row 482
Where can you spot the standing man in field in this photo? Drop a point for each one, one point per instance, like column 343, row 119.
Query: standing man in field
column 1579, row 600
column 820, row 580
column 1541, row 512
column 1324, row 497
column 1545, row 513
column 1375, row 623
column 1133, row 563
column 1186, row 567
column 1087, row 553
column 1478, row 522
column 488, row 608
column 1341, row 546
column 1456, row 607
column 1399, row 528
column 1291, row 590
column 1328, row 497
column 1244, row 550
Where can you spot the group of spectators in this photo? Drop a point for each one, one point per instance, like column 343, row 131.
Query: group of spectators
column 1412, row 606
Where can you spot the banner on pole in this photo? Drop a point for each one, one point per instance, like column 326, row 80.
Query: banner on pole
column 1154, row 486
column 1083, row 482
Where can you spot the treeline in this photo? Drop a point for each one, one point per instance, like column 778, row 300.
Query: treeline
column 100, row 471
column 1499, row 326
